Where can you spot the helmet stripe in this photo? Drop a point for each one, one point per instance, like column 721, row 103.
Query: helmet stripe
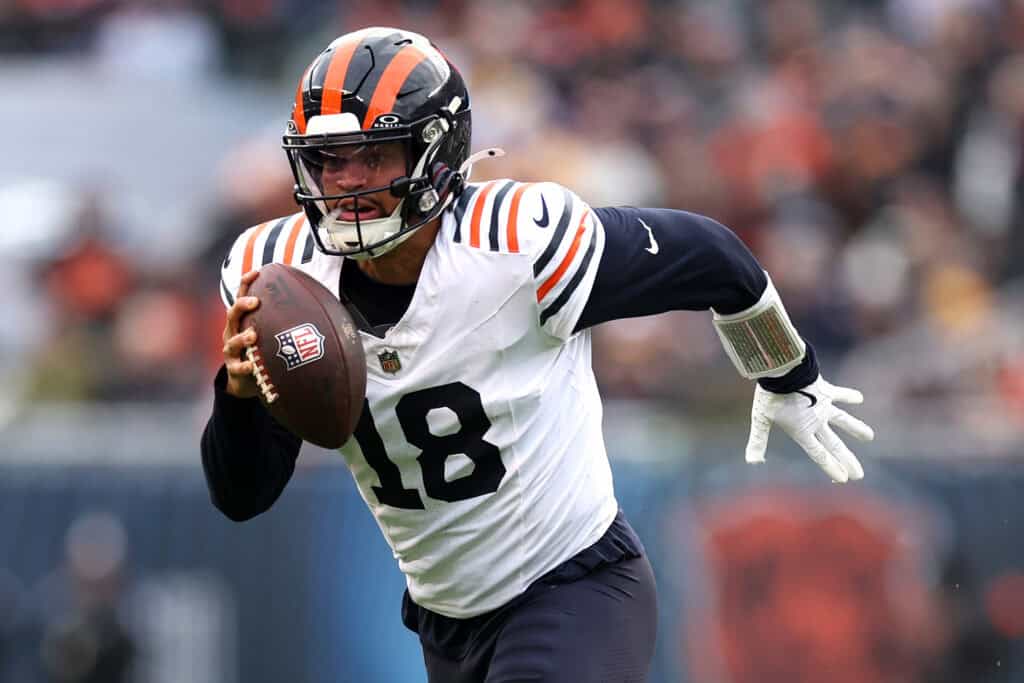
column 334, row 81
column 299, row 111
column 391, row 82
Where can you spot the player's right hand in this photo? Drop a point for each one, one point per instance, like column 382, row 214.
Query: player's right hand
column 241, row 382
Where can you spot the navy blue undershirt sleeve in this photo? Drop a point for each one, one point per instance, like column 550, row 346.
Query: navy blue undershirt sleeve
column 699, row 265
column 248, row 457
column 679, row 261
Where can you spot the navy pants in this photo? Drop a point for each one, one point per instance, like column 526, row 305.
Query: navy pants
column 591, row 620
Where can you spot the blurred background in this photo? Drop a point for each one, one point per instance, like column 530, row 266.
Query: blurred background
column 870, row 152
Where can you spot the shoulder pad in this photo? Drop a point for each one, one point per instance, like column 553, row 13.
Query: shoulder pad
column 282, row 240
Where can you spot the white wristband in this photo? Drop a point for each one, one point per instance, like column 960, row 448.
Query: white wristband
column 761, row 341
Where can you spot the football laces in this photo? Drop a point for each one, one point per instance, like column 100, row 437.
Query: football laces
column 259, row 371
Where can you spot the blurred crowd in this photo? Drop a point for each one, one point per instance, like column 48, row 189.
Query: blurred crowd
column 871, row 153
column 71, row 625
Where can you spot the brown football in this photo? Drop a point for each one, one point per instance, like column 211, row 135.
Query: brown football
column 308, row 358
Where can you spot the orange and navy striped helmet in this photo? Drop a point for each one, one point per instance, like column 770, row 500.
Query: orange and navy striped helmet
column 379, row 86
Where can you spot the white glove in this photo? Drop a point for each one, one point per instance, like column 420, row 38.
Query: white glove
column 807, row 415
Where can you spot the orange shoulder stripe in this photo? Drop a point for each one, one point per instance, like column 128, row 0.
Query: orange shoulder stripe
column 564, row 265
column 513, row 216
column 289, row 248
column 250, row 245
column 478, row 210
column 397, row 70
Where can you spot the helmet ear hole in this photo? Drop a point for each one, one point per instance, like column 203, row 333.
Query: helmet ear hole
column 427, row 201
column 435, row 129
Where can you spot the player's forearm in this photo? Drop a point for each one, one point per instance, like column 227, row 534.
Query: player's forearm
column 658, row 260
column 247, row 457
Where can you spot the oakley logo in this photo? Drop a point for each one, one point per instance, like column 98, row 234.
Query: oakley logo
column 542, row 222
column 812, row 397
column 653, row 249
column 387, row 121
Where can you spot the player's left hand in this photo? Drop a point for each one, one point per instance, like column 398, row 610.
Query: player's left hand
column 807, row 415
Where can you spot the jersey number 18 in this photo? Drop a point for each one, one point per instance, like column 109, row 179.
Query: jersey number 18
column 412, row 411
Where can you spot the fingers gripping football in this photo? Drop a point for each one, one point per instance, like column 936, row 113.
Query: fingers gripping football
column 808, row 416
column 241, row 381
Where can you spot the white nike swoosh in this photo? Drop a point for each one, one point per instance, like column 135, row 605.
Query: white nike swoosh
column 653, row 249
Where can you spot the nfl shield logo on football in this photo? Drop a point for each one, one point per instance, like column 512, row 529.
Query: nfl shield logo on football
column 300, row 345
column 389, row 361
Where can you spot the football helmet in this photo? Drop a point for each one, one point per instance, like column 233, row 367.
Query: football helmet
column 371, row 88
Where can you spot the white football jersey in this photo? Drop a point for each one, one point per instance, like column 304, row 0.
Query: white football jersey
column 481, row 455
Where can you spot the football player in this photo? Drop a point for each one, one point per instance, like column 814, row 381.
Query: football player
column 479, row 450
